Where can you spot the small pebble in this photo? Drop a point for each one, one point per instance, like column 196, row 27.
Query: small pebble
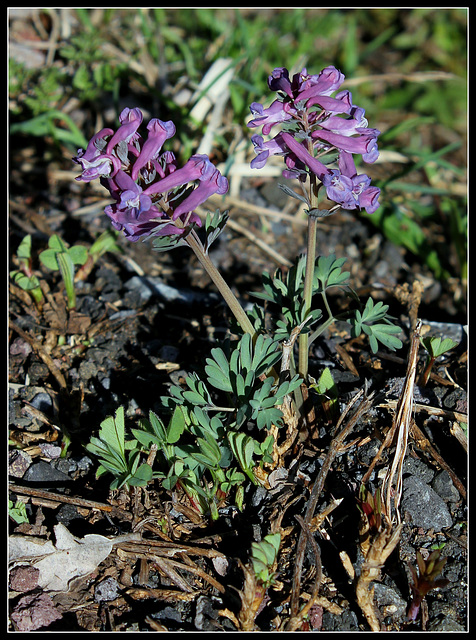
column 24, row 578
column 107, row 590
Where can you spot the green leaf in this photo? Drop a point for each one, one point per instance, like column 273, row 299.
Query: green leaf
column 214, row 226
column 27, row 283
column 195, row 398
column 329, row 272
column 176, row 425
column 384, row 333
column 48, row 258
column 141, row 476
column 326, row 384
column 112, row 432
column 243, row 447
column 436, row 346
column 218, row 370
column 78, row 254
column 24, row 249
column 146, row 439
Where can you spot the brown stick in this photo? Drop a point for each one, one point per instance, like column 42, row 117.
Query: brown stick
column 56, row 497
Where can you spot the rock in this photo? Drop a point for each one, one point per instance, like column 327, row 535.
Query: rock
column 416, row 467
column 87, row 370
column 390, row 602
column 44, row 474
column 34, row 612
column 18, row 462
column 424, row 505
column 24, row 578
column 50, row 450
column 444, row 487
column 446, row 624
column 347, row 621
column 206, row 615
column 43, row 402
column 107, row 590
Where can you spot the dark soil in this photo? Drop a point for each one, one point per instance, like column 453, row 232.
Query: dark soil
column 129, row 338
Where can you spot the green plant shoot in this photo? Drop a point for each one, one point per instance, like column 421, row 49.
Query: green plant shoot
column 435, row 347
column 59, row 257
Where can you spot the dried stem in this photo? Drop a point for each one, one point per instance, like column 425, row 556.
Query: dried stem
column 402, row 423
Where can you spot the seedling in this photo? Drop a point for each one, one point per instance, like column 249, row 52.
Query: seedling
column 327, row 390
column 24, row 276
column 374, row 322
column 425, row 580
column 106, row 242
column 435, row 347
column 263, row 558
column 60, row 257
column 372, row 519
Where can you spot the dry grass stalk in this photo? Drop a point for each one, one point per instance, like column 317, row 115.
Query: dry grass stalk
column 401, row 425
column 403, row 413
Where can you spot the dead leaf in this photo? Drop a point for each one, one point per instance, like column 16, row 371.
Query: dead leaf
column 58, row 564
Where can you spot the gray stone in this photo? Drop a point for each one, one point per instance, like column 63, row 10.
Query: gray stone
column 107, row 590
column 44, row 473
column 424, row 505
column 390, row 602
column 446, row 624
column 444, row 487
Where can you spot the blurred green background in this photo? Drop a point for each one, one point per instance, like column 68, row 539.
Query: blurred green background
column 71, row 70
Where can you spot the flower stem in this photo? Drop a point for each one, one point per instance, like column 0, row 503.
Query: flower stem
column 228, row 295
column 308, row 278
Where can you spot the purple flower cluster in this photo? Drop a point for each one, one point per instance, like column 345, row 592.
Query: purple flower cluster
column 315, row 124
column 152, row 195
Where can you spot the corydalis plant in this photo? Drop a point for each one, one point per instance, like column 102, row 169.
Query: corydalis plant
column 315, row 124
column 154, row 197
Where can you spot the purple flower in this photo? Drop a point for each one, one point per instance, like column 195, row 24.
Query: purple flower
column 198, row 167
column 365, row 143
column 363, row 195
column 279, row 81
column 214, row 183
column 339, row 189
column 328, row 81
column 159, row 132
column 267, row 118
column 130, row 120
column 265, row 149
column 133, row 211
column 143, row 179
column 331, row 123
column 300, row 152
column 93, row 161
